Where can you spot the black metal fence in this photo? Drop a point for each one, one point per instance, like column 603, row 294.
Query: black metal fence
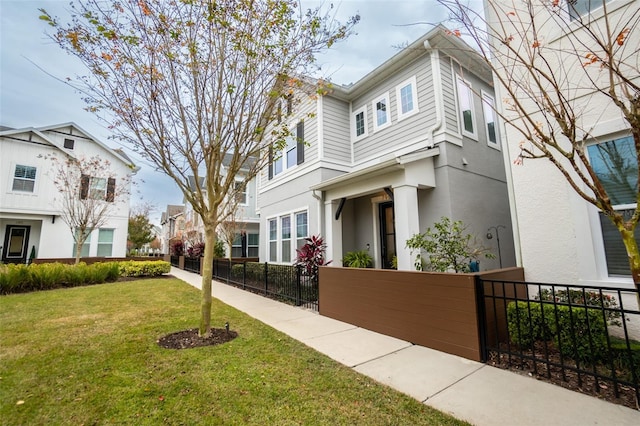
column 192, row 264
column 583, row 335
column 284, row 283
column 175, row 261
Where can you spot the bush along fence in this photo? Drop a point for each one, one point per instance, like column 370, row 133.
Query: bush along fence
column 285, row 283
column 580, row 334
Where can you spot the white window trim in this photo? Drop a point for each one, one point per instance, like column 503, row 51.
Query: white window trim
column 596, row 228
column 354, row 135
column 245, row 192
column 374, row 107
column 473, row 135
column 414, row 93
column 12, row 176
column 98, row 243
column 489, row 99
column 292, row 235
column 282, row 155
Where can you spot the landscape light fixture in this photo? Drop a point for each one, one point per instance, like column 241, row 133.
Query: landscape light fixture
column 490, row 236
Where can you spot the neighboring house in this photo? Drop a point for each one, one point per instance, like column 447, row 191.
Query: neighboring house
column 243, row 223
column 560, row 237
column 29, row 214
column 173, row 223
column 388, row 156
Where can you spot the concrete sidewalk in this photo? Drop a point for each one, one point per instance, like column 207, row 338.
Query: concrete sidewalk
column 468, row 390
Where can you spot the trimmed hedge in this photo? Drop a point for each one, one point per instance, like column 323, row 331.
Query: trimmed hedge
column 578, row 332
column 20, row 278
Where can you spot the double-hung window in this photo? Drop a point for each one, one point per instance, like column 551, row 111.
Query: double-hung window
column 285, row 230
column 359, row 124
column 407, row 98
column 292, row 154
column 240, row 189
column 465, row 103
column 302, row 229
column 105, row 242
column 488, row 107
column 24, row 178
column 287, row 233
column 273, row 240
column 253, row 245
column 382, row 116
column 614, row 162
column 84, row 251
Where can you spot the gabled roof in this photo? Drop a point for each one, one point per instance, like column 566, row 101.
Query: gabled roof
column 439, row 38
column 40, row 131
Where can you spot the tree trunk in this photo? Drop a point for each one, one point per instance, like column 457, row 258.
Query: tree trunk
column 207, row 276
column 79, row 245
column 630, row 243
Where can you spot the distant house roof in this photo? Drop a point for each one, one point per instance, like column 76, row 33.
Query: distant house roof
column 173, row 210
column 41, row 132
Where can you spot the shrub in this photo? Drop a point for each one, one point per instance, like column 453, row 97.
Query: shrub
column 146, row 268
column 357, row 259
column 218, row 249
column 311, row 256
column 177, row 248
column 525, row 323
column 585, row 298
column 196, row 250
column 15, row 278
column 448, row 247
column 47, row 275
column 579, row 333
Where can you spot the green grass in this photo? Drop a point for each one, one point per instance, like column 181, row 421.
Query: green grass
column 89, row 355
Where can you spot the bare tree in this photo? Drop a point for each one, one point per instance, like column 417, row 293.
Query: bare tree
column 560, row 69
column 187, row 83
column 89, row 191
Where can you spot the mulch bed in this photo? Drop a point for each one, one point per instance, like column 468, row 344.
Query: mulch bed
column 187, row 339
column 582, row 383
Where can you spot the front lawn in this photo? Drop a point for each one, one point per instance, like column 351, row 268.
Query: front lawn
column 88, row 355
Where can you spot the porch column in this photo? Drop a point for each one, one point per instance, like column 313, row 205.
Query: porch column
column 333, row 228
column 405, row 206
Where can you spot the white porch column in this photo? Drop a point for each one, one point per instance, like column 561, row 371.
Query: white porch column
column 405, row 207
column 333, row 228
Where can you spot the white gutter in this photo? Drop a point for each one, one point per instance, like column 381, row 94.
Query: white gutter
column 437, row 90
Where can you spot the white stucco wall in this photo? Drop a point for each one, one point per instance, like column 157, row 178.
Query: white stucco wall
column 558, row 236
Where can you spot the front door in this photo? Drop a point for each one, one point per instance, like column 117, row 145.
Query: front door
column 15, row 246
column 387, row 234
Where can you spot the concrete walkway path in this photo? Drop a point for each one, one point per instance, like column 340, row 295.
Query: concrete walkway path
column 468, row 390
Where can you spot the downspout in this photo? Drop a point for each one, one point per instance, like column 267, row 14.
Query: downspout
column 437, row 91
column 321, row 224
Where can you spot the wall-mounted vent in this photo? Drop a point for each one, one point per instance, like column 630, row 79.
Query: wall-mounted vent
column 68, row 143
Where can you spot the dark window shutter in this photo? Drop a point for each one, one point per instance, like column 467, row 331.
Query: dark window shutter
column 270, row 162
column 84, row 187
column 111, row 189
column 300, row 138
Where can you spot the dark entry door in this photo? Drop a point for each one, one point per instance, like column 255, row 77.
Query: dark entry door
column 387, row 234
column 16, row 240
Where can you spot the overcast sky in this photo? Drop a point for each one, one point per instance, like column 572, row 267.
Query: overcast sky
column 31, row 98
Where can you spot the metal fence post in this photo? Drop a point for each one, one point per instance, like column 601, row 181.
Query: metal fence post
column 229, row 271
column 481, row 318
column 299, row 285
column 266, row 277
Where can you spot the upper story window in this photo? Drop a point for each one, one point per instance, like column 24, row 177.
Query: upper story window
column 97, row 188
column 360, row 123
column 24, row 178
column 381, row 109
column 240, row 190
column 488, row 107
column 465, row 103
column 578, row 8
column 407, row 98
column 291, row 155
column 614, row 162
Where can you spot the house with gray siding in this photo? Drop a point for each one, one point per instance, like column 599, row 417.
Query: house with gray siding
column 385, row 158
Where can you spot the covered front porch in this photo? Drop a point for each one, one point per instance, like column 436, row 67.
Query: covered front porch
column 376, row 209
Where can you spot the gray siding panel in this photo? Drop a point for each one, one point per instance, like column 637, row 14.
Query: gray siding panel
column 337, row 139
column 400, row 133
